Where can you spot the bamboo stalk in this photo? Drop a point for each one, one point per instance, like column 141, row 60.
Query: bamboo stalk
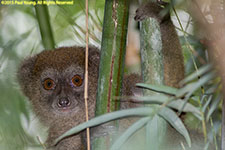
column 45, row 26
column 152, row 73
column 111, row 69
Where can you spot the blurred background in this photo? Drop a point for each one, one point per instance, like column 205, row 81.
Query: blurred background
column 20, row 37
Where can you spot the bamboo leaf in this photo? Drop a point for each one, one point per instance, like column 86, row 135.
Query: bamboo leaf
column 175, row 104
column 207, row 102
column 156, row 130
column 175, row 121
column 192, row 87
column 158, row 88
column 130, row 131
column 212, row 89
column 197, row 74
column 141, row 111
column 214, row 106
column 183, row 106
column 154, row 99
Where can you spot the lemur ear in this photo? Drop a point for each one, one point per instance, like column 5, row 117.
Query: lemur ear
column 25, row 76
column 94, row 58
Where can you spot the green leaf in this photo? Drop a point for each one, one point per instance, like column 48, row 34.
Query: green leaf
column 175, row 121
column 154, row 99
column 158, row 88
column 189, row 89
column 192, row 87
column 183, row 106
column 213, row 106
column 197, row 74
column 175, row 104
column 141, row 111
column 130, row 131
column 212, row 88
column 209, row 99
column 156, row 130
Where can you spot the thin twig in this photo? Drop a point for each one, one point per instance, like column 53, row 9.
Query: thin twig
column 86, row 77
column 42, row 144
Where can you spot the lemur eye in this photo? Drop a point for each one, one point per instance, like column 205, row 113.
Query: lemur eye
column 77, row 80
column 48, row 84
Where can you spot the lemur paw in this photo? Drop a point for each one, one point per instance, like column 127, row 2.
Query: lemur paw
column 140, row 14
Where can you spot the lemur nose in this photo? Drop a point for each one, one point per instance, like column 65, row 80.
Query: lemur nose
column 63, row 102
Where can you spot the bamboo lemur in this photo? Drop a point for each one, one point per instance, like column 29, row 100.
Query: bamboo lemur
column 54, row 81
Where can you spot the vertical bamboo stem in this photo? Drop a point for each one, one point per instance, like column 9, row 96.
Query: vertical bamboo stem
column 152, row 73
column 45, row 26
column 112, row 60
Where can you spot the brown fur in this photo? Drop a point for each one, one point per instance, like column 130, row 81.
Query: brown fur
column 59, row 59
